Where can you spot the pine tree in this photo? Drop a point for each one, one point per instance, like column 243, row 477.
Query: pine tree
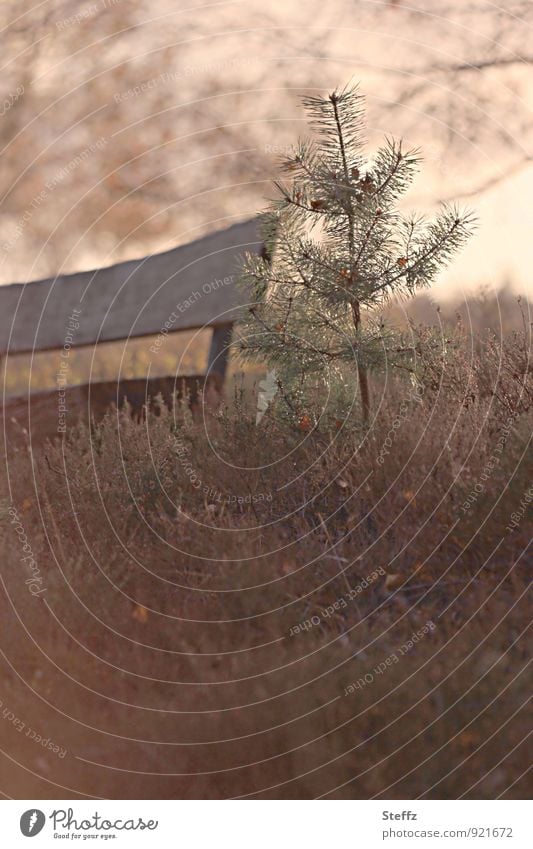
column 338, row 249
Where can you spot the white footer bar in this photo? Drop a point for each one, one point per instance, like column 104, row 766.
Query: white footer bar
column 266, row 824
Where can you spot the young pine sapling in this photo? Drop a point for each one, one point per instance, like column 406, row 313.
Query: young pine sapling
column 337, row 249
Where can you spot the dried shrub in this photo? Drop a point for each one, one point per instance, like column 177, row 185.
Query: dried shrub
column 170, row 652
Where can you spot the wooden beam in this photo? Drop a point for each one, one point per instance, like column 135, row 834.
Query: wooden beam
column 185, row 288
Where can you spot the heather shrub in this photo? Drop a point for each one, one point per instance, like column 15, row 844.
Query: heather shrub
column 223, row 602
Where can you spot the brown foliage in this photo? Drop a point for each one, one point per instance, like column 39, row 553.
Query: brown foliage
column 180, row 557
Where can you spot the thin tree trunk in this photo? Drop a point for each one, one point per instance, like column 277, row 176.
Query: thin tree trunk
column 365, row 392
column 362, row 373
column 361, row 370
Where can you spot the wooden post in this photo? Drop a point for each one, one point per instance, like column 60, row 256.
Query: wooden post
column 219, row 351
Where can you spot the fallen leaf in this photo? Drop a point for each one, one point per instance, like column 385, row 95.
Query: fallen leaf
column 140, row 613
column 468, row 738
column 393, row 581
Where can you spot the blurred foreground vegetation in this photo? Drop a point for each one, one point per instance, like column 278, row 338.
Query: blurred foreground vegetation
column 233, row 610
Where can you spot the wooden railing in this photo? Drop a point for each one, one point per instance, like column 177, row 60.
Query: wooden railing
column 191, row 287
column 187, row 288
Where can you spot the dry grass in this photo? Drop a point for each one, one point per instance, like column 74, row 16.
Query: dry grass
column 161, row 656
